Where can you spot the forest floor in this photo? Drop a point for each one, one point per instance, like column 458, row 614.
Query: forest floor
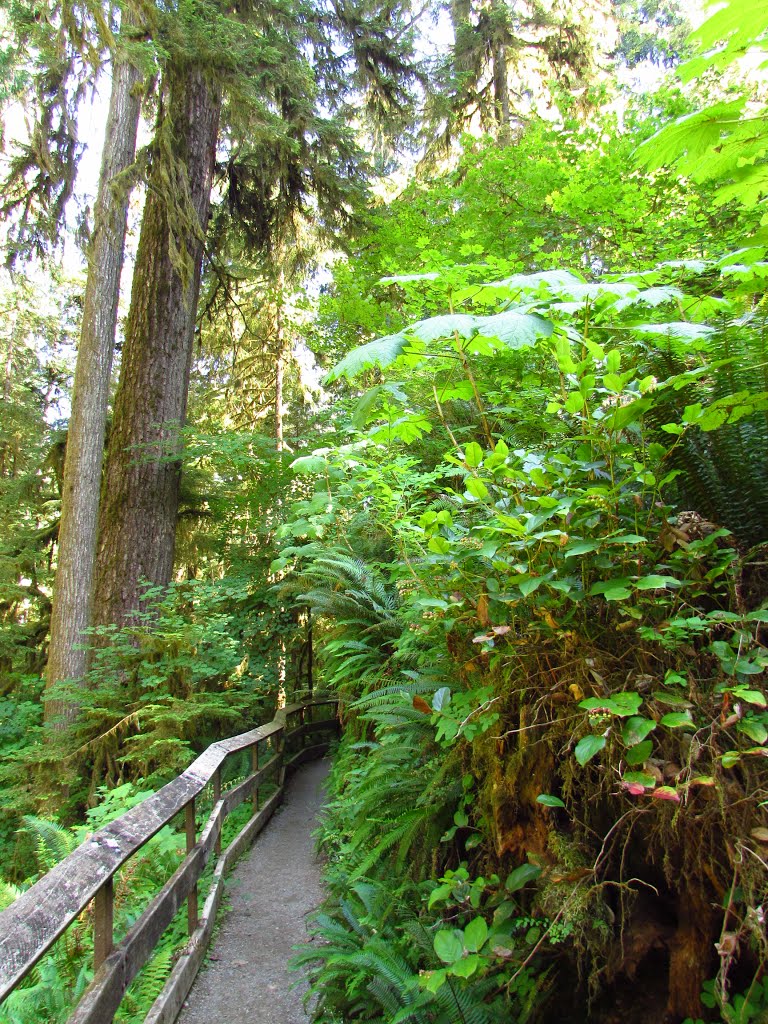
column 270, row 892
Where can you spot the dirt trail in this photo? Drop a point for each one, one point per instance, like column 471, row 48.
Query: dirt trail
column 245, row 979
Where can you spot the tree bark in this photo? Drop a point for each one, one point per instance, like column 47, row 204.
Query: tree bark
column 72, row 596
column 498, row 48
column 280, row 357
column 7, row 387
column 141, row 481
column 501, row 93
column 279, row 372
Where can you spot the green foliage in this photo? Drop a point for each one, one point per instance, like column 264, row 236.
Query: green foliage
column 355, row 598
column 725, row 142
column 562, row 196
column 741, row 1008
column 382, row 954
column 164, row 687
column 60, row 978
column 34, row 336
column 514, row 329
column 542, row 565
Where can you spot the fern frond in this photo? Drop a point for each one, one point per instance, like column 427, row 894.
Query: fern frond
column 8, row 893
column 53, row 842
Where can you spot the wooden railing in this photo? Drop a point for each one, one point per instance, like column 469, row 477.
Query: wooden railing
column 30, row 926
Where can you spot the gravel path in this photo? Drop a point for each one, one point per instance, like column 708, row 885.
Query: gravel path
column 245, row 979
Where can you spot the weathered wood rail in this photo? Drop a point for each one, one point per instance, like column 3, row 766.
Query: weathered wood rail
column 30, row 926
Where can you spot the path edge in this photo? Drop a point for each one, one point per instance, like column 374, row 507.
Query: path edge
column 168, row 1005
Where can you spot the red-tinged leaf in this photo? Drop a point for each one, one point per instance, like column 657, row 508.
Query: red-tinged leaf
column 666, row 793
column 421, row 705
column 634, row 788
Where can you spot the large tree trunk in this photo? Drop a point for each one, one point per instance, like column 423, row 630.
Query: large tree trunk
column 279, row 373
column 141, row 481
column 280, row 357
column 501, row 93
column 498, row 48
column 85, row 441
column 5, row 450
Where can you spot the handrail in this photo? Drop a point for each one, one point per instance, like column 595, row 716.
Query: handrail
column 30, row 926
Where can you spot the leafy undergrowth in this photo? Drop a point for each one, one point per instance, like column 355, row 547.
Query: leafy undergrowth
column 554, row 777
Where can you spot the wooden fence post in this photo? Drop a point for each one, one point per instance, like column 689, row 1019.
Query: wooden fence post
column 216, row 798
column 103, row 922
column 281, row 754
column 310, row 679
column 254, row 769
column 191, row 830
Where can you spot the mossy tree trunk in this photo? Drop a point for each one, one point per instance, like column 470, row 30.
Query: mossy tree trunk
column 281, row 352
column 141, row 480
column 72, row 604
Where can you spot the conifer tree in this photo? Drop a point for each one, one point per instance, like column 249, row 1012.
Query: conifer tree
column 57, row 53
column 56, row 49
column 502, row 60
column 299, row 156
column 72, row 600
column 141, row 481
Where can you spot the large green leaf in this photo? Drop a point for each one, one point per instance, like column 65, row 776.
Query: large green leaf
column 590, row 292
column 544, row 280
column 449, row 945
column 678, row 329
column 651, row 297
column 475, row 934
column 548, row 800
column 635, row 729
column 308, row 465
column 639, row 753
column 656, row 581
column 380, row 352
column 444, row 326
column 514, row 329
column 521, row 876
column 677, row 720
column 688, row 140
column 741, row 24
